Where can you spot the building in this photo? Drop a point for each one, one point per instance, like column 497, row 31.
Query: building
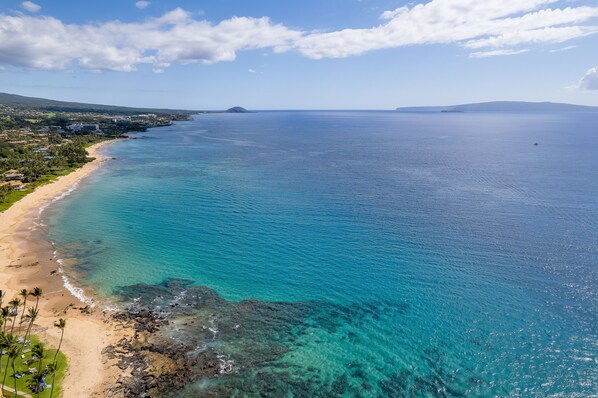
column 83, row 128
column 16, row 185
column 12, row 175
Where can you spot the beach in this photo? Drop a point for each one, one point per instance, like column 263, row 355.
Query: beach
column 27, row 261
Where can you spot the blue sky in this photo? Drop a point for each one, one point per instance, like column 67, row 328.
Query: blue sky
column 326, row 54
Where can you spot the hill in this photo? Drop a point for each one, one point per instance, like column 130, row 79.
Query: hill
column 19, row 101
column 236, row 109
column 503, row 106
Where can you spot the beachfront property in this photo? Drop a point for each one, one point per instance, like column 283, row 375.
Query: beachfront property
column 12, row 175
column 83, row 127
column 16, row 185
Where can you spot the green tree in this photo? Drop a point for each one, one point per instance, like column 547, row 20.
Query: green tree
column 36, row 382
column 54, row 138
column 13, row 353
column 4, row 190
column 60, row 324
column 5, row 314
column 6, row 341
column 73, row 152
column 24, row 293
column 35, row 168
column 14, row 303
column 37, row 293
column 39, row 350
column 51, row 370
column 58, row 162
column 9, row 344
column 32, row 316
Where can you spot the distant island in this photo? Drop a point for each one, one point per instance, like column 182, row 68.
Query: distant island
column 503, row 106
column 237, row 109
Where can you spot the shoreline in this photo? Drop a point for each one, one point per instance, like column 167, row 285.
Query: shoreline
column 28, row 261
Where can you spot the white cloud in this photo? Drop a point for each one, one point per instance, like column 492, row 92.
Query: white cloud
column 142, row 4
column 31, row 6
column 494, row 53
column 490, row 24
column 486, row 28
column 590, row 80
column 252, row 70
column 175, row 37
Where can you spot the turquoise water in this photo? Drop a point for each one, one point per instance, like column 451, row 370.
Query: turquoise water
column 392, row 254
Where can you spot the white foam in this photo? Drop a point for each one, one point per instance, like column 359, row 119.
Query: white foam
column 226, row 365
column 74, row 290
column 59, row 197
column 213, row 328
column 77, row 291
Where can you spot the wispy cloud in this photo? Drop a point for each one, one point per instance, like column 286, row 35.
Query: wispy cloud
column 142, row 4
column 486, row 28
column 589, row 81
column 558, row 50
column 31, row 6
column 494, row 53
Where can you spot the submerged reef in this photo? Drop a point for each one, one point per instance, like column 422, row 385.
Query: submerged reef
column 188, row 341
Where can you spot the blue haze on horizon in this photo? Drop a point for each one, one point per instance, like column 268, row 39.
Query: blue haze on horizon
column 337, row 54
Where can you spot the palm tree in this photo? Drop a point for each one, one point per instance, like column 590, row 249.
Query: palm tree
column 37, row 293
column 37, row 379
column 6, row 340
column 2, row 294
column 38, row 350
column 13, row 353
column 14, row 303
column 24, row 293
column 60, row 324
column 51, row 370
column 5, row 314
column 32, row 316
column 28, row 330
column 8, row 343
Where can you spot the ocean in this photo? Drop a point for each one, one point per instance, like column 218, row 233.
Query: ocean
column 347, row 253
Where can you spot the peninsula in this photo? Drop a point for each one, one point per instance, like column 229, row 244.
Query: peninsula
column 503, row 106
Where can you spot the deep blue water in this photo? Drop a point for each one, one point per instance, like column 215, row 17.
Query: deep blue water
column 445, row 254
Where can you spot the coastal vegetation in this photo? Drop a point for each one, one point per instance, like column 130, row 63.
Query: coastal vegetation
column 27, row 367
column 38, row 145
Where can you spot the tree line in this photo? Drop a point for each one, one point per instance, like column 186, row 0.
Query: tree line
column 16, row 323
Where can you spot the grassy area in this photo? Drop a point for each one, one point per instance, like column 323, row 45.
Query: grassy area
column 22, row 365
column 14, row 196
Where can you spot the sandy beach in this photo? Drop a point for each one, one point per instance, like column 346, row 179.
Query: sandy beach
column 26, row 261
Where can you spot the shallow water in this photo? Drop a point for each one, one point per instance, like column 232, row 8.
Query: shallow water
column 389, row 254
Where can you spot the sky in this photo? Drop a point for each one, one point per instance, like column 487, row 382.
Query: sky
column 308, row 54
